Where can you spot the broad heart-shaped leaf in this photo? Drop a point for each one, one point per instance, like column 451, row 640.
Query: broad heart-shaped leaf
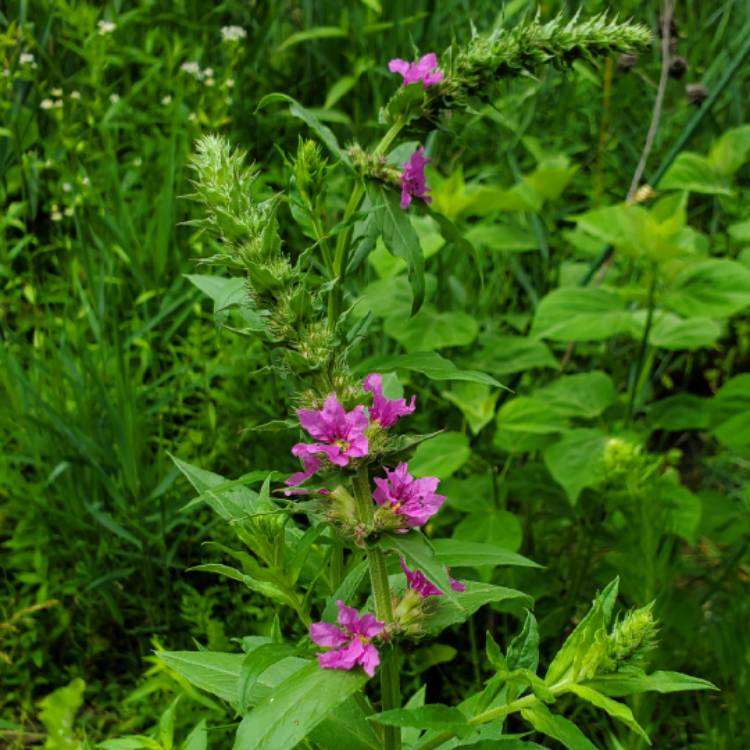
column 230, row 501
column 419, row 553
column 322, row 131
column 526, row 423
column 455, row 553
column 575, row 649
column 506, row 354
column 442, row 456
column 400, row 238
column 432, row 716
column 616, row 710
column 585, row 395
column 573, row 460
column 683, row 411
column 431, row 364
column 296, row 707
column 476, row 595
column 495, row 527
column 558, row 727
column 430, row 329
column 716, row 288
column 633, row 682
column 670, row 331
column 730, row 150
column 476, row 402
column 580, row 315
column 694, row 173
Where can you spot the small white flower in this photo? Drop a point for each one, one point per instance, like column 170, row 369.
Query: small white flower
column 106, row 27
column 192, row 117
column 229, row 83
column 75, row 95
column 193, row 69
column 114, row 98
column 6, row 72
column 208, row 72
column 166, row 100
column 26, row 58
column 69, row 211
column 209, row 82
column 56, row 92
column 85, row 181
column 56, row 215
column 67, row 187
column 46, row 104
column 58, row 103
column 233, row 33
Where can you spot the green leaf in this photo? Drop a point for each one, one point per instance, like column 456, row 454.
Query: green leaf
column 58, row 711
column 433, row 716
column 716, row 288
column 507, row 354
column 311, row 34
column 431, row 364
column 400, row 238
column 523, row 650
column 522, row 421
column 476, row 402
column 558, row 727
column 442, row 456
column 580, row 315
column 166, row 725
column 694, row 173
column 498, row 528
column 297, row 110
column 616, row 710
column 730, row 151
column 456, row 553
column 198, row 738
column 212, row 671
column 445, row 612
column 573, row 460
column 622, row 684
column 577, row 644
column 253, row 667
column 298, row 705
column 430, row 329
column 683, row 411
column 585, row 395
column 672, row 332
column 229, row 294
column 419, row 553
column 230, row 501
column 410, row 735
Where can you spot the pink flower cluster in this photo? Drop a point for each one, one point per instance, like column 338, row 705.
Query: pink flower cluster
column 341, row 436
column 424, row 70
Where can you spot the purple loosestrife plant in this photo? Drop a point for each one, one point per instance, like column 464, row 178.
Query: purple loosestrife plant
column 339, row 546
column 350, row 641
column 424, row 70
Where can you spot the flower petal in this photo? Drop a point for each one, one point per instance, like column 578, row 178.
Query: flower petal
column 327, row 634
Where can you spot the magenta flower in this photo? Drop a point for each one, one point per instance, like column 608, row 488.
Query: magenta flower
column 383, row 410
column 417, row 581
column 350, row 640
column 414, row 499
column 340, row 435
column 425, row 70
column 413, row 181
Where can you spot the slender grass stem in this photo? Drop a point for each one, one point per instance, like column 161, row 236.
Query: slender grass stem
column 636, row 380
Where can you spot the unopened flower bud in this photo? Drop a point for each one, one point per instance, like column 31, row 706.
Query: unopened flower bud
column 310, row 169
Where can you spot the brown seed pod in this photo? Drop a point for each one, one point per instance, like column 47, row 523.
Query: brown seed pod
column 626, row 62
column 678, row 67
column 696, row 93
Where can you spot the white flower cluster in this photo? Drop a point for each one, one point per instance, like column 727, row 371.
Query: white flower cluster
column 200, row 74
column 106, row 27
column 233, row 33
column 26, row 59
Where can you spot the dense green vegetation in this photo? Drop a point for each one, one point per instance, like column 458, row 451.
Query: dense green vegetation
column 618, row 446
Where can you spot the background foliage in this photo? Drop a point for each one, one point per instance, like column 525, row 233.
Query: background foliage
column 111, row 358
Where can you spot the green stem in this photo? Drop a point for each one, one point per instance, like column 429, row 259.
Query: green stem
column 337, row 565
column 390, row 688
column 341, row 252
column 634, row 387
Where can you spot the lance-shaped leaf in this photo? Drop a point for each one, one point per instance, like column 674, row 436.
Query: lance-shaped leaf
column 635, row 681
column 558, row 727
column 616, row 710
